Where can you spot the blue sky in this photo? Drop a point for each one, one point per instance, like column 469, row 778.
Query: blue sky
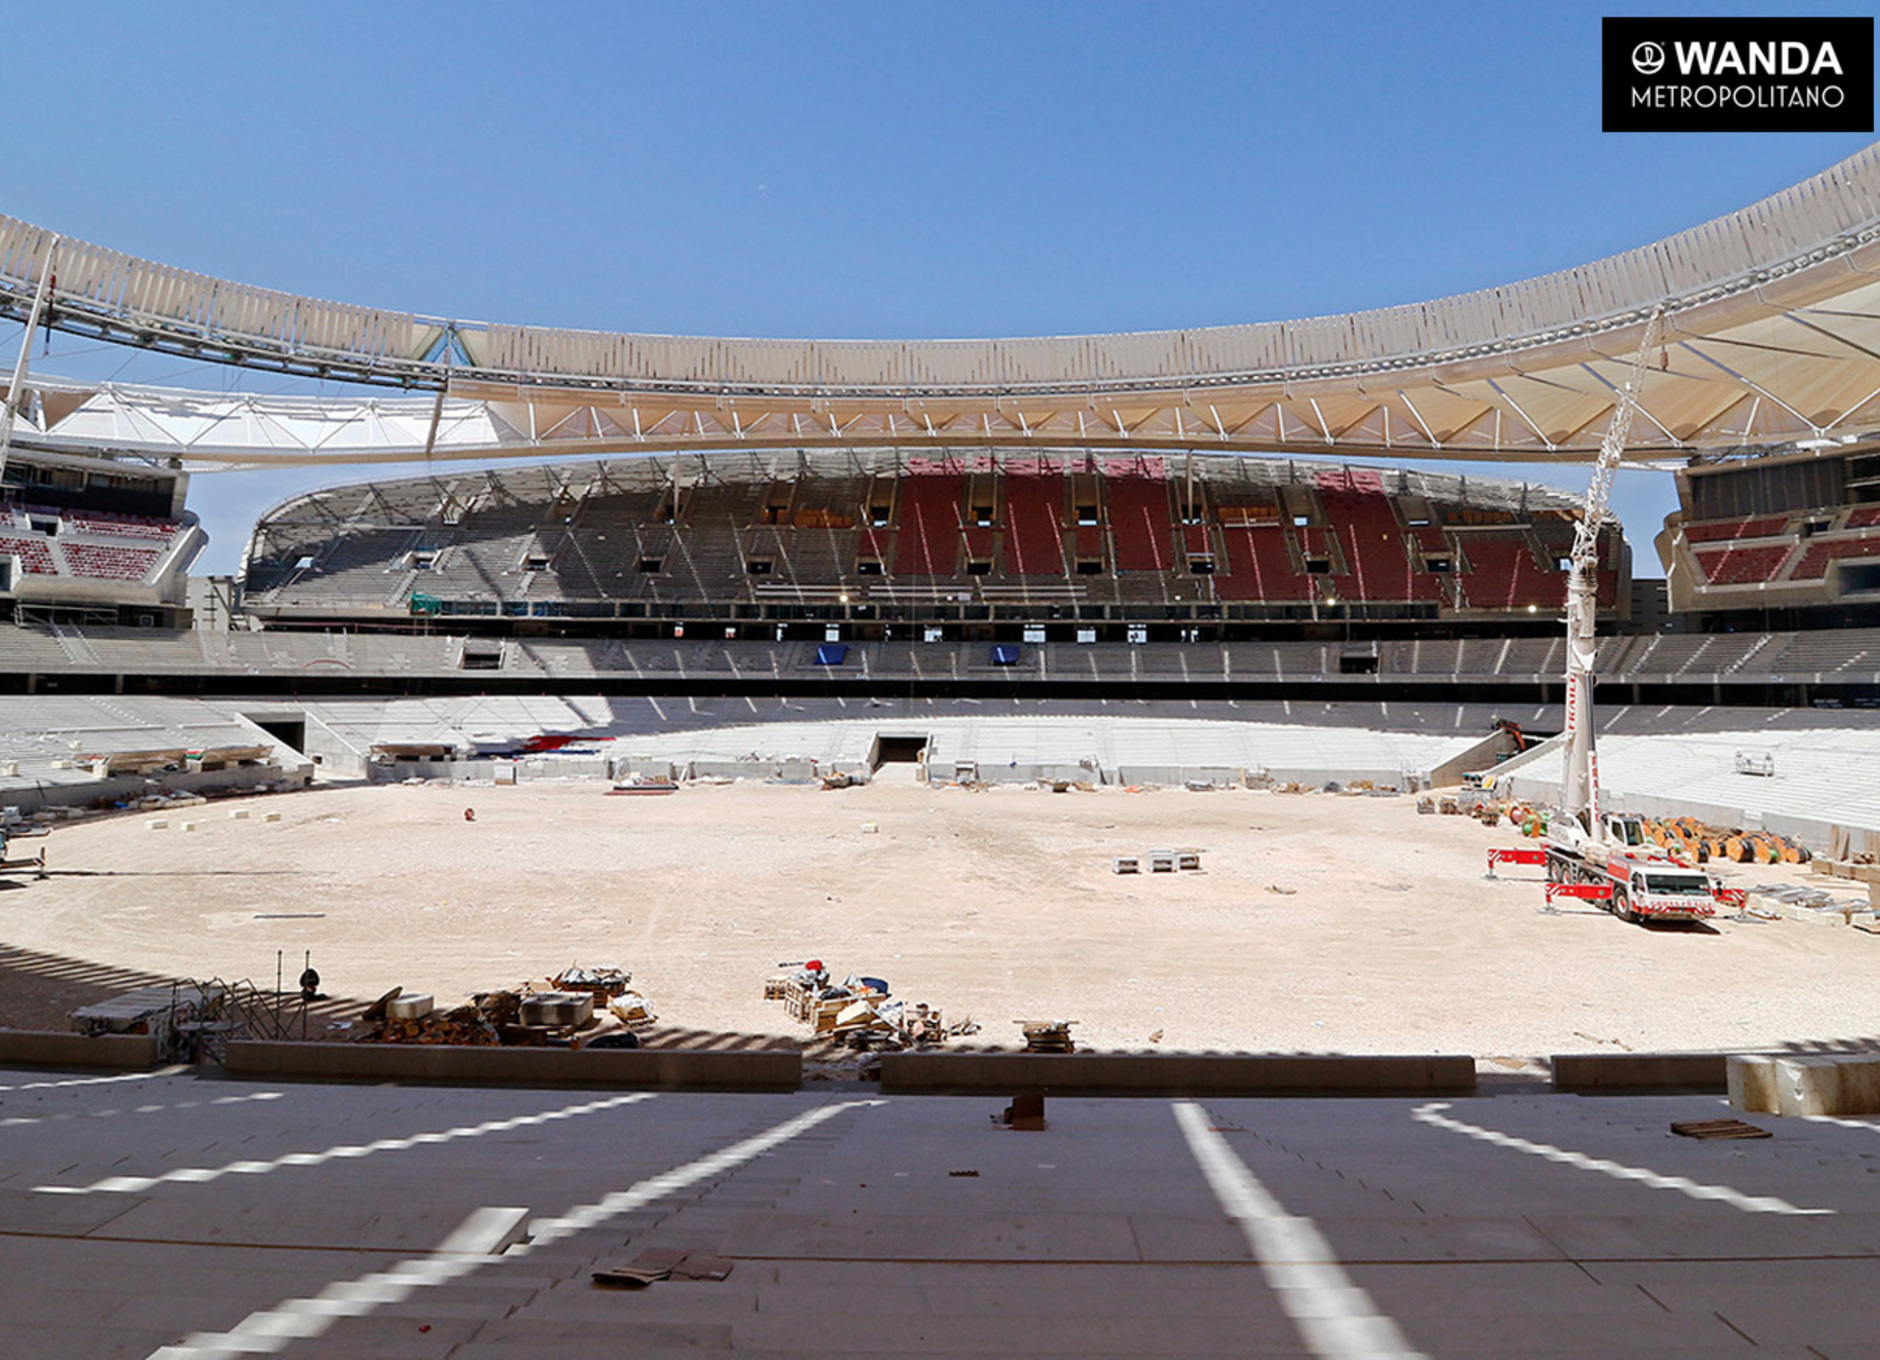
column 850, row 169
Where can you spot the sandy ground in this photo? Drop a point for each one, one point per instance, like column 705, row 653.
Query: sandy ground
column 1320, row 923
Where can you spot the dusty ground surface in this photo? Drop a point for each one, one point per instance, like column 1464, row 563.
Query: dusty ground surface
column 1320, row 923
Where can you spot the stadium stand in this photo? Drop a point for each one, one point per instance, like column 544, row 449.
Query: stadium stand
column 1796, row 536
column 1034, row 510
column 873, row 538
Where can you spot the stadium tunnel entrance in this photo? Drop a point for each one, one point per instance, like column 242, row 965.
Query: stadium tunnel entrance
column 897, row 748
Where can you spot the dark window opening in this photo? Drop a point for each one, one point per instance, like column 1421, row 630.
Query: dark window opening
column 1814, row 526
column 1201, row 566
column 1438, row 564
column 982, row 516
column 1089, row 566
column 878, row 516
column 1086, row 514
column 758, row 566
column 979, row 568
column 1318, row 566
column 482, row 661
column 868, row 567
column 535, row 562
column 1860, row 576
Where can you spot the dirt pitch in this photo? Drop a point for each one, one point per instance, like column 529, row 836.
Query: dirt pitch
column 1319, row 923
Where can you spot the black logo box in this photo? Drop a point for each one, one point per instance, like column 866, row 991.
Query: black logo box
column 1646, row 56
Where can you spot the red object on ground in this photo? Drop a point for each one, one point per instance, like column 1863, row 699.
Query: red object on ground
column 814, row 965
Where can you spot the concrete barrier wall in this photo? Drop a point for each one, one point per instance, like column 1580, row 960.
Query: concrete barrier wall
column 1592, row 1073
column 1175, row 1074
column 653, row 1069
column 52, row 1048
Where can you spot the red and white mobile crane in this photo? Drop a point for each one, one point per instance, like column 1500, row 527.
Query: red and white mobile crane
column 1589, row 852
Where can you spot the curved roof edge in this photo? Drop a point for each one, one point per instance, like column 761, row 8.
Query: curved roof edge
column 118, row 297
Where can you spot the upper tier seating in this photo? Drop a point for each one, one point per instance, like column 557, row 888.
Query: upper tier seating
column 1755, row 526
column 1743, row 566
column 108, row 562
column 34, row 552
column 1140, row 516
column 1034, row 519
column 1814, row 563
column 928, row 541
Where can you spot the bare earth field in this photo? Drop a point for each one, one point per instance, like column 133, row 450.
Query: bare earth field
column 1320, row 923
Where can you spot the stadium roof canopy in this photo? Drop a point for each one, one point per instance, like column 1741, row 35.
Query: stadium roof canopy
column 1770, row 336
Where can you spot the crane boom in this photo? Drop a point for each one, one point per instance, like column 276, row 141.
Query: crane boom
column 1579, row 785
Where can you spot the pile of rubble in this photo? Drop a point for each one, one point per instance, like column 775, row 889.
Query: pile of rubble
column 578, row 1008
column 859, row 1011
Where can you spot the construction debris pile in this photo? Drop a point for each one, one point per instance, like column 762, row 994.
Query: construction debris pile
column 859, row 1011
column 578, row 1008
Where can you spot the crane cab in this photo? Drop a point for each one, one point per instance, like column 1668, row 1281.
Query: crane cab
column 1627, row 833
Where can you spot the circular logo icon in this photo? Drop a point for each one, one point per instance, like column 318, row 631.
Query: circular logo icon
column 1648, row 59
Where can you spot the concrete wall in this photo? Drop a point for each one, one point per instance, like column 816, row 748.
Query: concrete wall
column 50, row 1048
column 1175, row 1074
column 653, row 1069
column 1593, row 1073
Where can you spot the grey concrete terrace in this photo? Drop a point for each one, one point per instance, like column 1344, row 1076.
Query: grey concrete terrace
column 172, row 1215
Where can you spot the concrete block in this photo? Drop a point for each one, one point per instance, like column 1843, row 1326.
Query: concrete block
column 1860, row 1085
column 1828, row 1083
column 52, row 1049
column 1808, row 1086
column 601, row 1069
column 238, row 815
column 158, row 823
column 270, row 816
column 189, row 826
column 1192, row 1074
column 1591, row 1073
column 409, row 1006
column 1751, row 1078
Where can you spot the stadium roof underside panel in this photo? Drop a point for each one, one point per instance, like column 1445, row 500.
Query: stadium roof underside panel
column 1771, row 335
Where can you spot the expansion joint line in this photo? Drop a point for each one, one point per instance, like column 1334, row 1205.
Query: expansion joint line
column 272, row 1329
column 1432, row 1115
column 196, row 1175
column 1335, row 1317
